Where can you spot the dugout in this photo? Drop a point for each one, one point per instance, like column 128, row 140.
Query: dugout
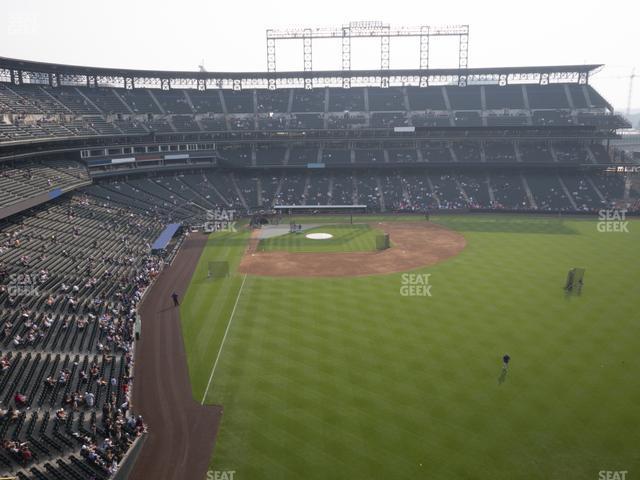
column 165, row 237
column 347, row 211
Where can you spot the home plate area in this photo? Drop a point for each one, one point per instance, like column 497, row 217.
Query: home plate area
column 318, row 236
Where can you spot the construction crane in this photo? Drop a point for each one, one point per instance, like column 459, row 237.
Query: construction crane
column 631, row 79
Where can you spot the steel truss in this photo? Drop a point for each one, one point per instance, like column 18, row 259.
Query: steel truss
column 19, row 72
column 380, row 30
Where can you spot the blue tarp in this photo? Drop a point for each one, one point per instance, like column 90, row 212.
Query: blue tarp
column 165, row 237
column 55, row 193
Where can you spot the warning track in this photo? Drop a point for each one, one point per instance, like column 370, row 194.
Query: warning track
column 181, row 431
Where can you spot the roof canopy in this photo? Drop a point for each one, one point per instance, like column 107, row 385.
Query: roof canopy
column 19, row 71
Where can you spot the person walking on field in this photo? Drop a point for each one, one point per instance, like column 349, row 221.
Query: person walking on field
column 174, row 296
column 505, row 361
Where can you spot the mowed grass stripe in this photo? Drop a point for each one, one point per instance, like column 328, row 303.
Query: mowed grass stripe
column 208, row 304
column 345, row 378
column 224, row 337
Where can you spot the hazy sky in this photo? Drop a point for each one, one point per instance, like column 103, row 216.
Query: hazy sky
column 230, row 36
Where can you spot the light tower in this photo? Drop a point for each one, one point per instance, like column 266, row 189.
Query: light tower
column 368, row 29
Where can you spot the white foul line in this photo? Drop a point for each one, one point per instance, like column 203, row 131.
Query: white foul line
column 223, row 339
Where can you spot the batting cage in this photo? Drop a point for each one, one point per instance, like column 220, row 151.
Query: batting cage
column 382, row 242
column 217, row 270
column 575, row 280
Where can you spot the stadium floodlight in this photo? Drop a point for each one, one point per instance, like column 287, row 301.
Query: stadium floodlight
column 367, row 29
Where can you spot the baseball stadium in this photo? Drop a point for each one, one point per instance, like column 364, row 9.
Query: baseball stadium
column 352, row 274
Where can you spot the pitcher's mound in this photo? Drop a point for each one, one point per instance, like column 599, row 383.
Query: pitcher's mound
column 414, row 245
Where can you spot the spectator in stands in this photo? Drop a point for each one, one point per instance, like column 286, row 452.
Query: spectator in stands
column 20, row 399
column 5, row 363
column 67, row 399
column 64, row 376
column 26, row 453
column 13, row 414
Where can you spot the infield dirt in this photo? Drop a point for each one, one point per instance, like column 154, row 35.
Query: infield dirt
column 414, row 245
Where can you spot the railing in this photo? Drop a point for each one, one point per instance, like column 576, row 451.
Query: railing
column 129, row 460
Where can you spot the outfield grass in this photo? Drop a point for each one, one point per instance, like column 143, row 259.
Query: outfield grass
column 347, row 379
column 346, row 238
column 208, row 303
